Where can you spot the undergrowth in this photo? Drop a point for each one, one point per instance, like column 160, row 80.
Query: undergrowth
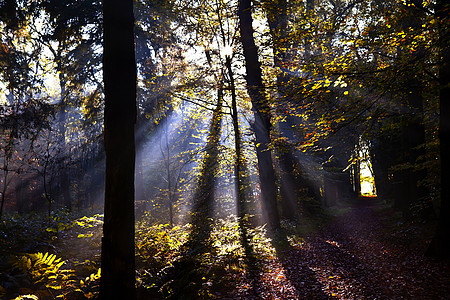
column 165, row 270
column 29, row 266
column 165, row 266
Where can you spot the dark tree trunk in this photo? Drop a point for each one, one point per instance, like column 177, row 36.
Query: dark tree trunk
column 380, row 176
column 384, row 155
column 356, row 176
column 276, row 11
column 262, row 125
column 288, row 189
column 293, row 178
column 413, row 133
column 119, row 75
column 413, row 136
column 440, row 245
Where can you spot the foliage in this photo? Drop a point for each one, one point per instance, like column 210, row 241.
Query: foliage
column 24, row 233
column 159, row 248
column 88, row 223
column 91, row 285
column 27, row 297
column 59, row 220
column 45, row 268
column 335, row 73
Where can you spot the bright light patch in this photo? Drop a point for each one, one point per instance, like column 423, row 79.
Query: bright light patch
column 3, row 99
column 367, row 179
column 227, row 51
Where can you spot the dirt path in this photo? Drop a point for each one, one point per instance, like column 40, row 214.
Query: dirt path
column 352, row 257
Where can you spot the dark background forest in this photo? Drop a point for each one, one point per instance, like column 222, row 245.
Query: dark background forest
column 272, row 149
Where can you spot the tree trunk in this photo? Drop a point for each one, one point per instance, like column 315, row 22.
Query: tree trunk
column 413, row 133
column 238, row 165
column 276, row 11
column 64, row 176
column 262, row 125
column 169, row 174
column 384, row 155
column 440, row 245
column 119, row 75
column 356, row 175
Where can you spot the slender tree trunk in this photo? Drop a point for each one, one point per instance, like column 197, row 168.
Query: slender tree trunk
column 169, row 177
column 440, row 245
column 64, row 176
column 5, row 177
column 356, row 175
column 239, row 163
column 46, row 192
column 262, row 125
column 119, row 76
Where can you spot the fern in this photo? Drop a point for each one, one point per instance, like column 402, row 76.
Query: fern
column 46, row 269
column 27, row 297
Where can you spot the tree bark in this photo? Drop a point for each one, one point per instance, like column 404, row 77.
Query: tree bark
column 440, row 245
column 409, row 191
column 262, row 125
column 119, row 75
column 276, row 11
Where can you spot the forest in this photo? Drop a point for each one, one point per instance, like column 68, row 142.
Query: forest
column 224, row 149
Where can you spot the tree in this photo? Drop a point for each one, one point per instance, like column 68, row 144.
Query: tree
column 68, row 36
column 119, row 75
column 277, row 19
column 440, row 245
column 262, row 123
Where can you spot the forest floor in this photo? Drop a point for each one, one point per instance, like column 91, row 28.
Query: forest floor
column 363, row 253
